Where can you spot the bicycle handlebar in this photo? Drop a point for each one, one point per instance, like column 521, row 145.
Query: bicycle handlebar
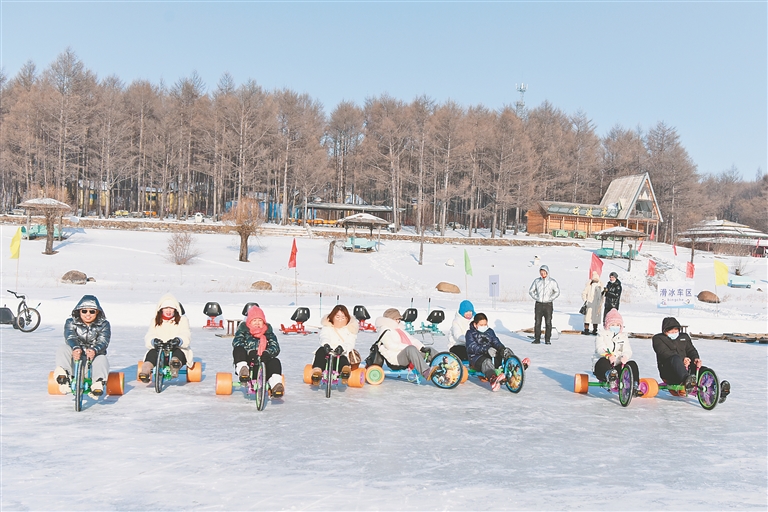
column 16, row 294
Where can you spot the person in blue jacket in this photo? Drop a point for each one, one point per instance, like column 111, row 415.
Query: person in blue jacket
column 486, row 353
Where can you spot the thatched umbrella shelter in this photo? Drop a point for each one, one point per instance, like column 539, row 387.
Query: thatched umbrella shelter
column 364, row 220
column 620, row 233
column 52, row 210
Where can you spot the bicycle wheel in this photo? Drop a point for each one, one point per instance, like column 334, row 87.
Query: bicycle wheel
column 515, row 372
column 329, row 374
column 447, row 370
column 708, row 389
column 626, row 382
column 159, row 370
column 261, row 387
column 79, row 376
column 28, row 320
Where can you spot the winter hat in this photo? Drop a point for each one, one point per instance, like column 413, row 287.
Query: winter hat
column 613, row 317
column 595, row 276
column 614, row 274
column 466, row 306
column 544, row 268
column 669, row 323
column 256, row 312
column 88, row 302
column 393, row 314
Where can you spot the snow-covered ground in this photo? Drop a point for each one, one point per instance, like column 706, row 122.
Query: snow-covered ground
column 395, row 446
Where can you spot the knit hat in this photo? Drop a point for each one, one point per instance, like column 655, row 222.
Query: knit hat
column 613, row 317
column 393, row 314
column 595, row 276
column 614, row 274
column 544, row 268
column 669, row 323
column 466, row 306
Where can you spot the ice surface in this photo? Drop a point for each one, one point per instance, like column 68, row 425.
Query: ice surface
column 395, row 446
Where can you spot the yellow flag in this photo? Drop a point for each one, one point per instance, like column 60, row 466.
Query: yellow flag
column 16, row 245
column 721, row 273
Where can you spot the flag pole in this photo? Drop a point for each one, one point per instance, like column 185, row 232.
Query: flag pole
column 296, row 285
column 17, row 273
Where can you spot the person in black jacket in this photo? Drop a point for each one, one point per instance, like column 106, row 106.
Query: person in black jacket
column 612, row 292
column 676, row 356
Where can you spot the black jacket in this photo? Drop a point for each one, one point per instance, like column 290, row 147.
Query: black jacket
column 665, row 348
column 612, row 295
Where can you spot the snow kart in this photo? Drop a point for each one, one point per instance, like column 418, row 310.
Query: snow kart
column 331, row 375
column 256, row 384
column 447, row 372
column 80, row 382
column 624, row 386
column 162, row 370
column 514, row 370
column 709, row 390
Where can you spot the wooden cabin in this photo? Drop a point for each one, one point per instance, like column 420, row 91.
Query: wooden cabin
column 629, row 202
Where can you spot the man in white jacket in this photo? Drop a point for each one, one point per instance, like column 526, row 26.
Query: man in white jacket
column 544, row 291
column 397, row 346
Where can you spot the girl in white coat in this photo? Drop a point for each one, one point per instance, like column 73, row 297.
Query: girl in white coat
column 399, row 348
column 459, row 327
column 168, row 324
column 593, row 299
column 612, row 350
column 339, row 330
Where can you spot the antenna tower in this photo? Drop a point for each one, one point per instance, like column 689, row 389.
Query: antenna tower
column 520, row 104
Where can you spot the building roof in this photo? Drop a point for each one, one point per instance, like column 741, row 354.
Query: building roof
column 722, row 229
column 625, row 192
column 620, row 232
column 45, row 203
column 362, row 219
column 577, row 209
column 349, row 207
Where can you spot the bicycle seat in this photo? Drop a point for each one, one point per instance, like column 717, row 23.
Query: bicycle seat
column 410, row 315
column 248, row 306
column 361, row 313
column 212, row 309
column 436, row 316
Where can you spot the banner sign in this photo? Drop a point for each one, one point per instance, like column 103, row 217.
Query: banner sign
column 675, row 294
column 493, row 286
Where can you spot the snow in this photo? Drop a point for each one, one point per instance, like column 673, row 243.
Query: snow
column 395, row 446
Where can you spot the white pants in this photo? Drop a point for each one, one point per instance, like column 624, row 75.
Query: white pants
column 99, row 366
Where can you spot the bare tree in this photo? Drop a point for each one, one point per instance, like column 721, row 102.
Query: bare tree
column 246, row 217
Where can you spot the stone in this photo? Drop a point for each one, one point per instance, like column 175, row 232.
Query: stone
column 710, row 297
column 261, row 285
column 447, row 287
column 75, row 277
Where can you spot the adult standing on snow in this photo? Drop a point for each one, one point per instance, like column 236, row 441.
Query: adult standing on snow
column 255, row 340
column 593, row 299
column 459, row 327
column 167, row 325
column 543, row 290
column 612, row 293
column 339, row 330
column 87, row 332
column 397, row 347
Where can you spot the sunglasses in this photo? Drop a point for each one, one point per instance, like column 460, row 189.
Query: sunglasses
column 89, row 311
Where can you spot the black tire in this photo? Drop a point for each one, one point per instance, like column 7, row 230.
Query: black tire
column 159, row 373
column 449, row 371
column 515, row 373
column 261, row 387
column 626, row 385
column 79, row 384
column 329, row 374
column 28, row 320
column 708, row 389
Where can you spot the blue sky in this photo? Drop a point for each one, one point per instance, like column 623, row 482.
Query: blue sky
column 698, row 66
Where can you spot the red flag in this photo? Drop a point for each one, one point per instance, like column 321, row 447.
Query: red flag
column 596, row 265
column 689, row 269
column 653, row 234
column 651, row 268
column 292, row 259
column 674, row 249
column 640, row 247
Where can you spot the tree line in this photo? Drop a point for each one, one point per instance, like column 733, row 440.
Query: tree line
column 177, row 149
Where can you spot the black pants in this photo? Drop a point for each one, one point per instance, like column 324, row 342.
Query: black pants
column 489, row 363
column 272, row 363
column 542, row 310
column 673, row 371
column 460, row 351
column 603, row 366
column 177, row 353
column 320, row 358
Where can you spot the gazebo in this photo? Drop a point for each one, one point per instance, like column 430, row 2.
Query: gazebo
column 363, row 220
column 620, row 233
column 52, row 210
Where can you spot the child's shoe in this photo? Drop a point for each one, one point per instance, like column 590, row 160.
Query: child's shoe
column 429, row 372
column 317, row 375
column 276, row 385
column 244, row 374
column 725, row 390
column 97, row 388
column 175, row 367
column 345, row 371
column 145, row 375
column 62, row 379
column 497, row 381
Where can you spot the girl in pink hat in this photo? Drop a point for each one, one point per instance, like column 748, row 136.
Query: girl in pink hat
column 612, row 350
column 255, row 339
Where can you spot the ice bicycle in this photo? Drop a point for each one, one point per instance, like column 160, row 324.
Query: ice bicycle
column 446, row 371
column 255, row 386
column 513, row 368
column 624, row 386
column 80, row 383
column 162, row 371
column 331, row 375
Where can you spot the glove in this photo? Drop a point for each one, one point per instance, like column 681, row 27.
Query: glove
column 428, row 352
column 327, row 348
column 624, row 359
column 156, row 343
column 338, row 350
column 176, row 342
column 507, row 353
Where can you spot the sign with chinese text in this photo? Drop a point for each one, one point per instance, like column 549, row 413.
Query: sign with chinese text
column 675, row 294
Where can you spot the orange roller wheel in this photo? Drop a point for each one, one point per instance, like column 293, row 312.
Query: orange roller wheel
column 580, row 383
column 115, row 383
column 356, row 378
column 138, row 369
column 652, row 387
column 53, row 386
column 223, row 383
column 464, row 375
column 195, row 373
column 374, row 375
column 308, row 374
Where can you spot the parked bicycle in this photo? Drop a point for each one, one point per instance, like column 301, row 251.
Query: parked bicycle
column 26, row 319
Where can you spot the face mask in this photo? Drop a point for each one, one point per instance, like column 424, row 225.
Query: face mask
column 615, row 329
column 482, row 328
column 673, row 336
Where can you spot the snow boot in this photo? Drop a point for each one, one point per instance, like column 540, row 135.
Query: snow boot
column 317, row 374
column 547, row 342
column 535, row 342
column 725, row 390
column 145, row 375
column 62, row 378
column 345, row 371
column 585, row 332
column 276, row 385
column 243, row 372
column 175, row 367
column 97, row 388
column 498, row 380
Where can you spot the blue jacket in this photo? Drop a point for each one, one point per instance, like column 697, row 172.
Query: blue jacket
column 244, row 338
column 94, row 336
column 478, row 343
